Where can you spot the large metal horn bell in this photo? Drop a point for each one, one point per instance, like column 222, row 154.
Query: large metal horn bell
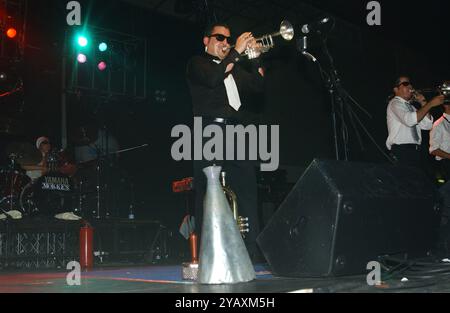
column 223, row 256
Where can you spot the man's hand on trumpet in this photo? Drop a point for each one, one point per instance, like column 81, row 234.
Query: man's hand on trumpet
column 437, row 101
column 243, row 41
column 419, row 98
column 254, row 49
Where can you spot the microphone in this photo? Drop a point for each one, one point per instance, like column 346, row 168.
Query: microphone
column 307, row 28
column 302, row 45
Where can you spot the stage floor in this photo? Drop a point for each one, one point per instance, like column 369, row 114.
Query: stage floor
column 167, row 279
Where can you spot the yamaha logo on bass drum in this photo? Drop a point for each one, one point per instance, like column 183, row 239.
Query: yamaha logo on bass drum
column 56, row 183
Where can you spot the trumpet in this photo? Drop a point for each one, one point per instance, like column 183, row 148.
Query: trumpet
column 242, row 222
column 266, row 41
column 443, row 89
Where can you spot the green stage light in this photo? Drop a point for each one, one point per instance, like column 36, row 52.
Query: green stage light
column 102, row 47
column 82, row 41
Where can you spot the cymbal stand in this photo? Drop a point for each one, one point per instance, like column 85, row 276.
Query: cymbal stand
column 79, row 210
column 12, row 166
column 103, row 154
column 98, row 169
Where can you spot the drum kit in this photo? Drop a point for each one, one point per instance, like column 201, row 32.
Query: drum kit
column 89, row 189
column 28, row 189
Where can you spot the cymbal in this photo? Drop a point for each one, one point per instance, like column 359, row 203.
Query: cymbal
column 84, row 135
column 25, row 152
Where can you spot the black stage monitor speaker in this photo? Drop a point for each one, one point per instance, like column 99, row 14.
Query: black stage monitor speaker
column 342, row 215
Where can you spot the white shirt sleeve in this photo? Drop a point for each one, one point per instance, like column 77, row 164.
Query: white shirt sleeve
column 403, row 114
column 427, row 122
column 435, row 138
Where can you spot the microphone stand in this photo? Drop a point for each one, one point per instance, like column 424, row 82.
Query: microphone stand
column 331, row 82
column 340, row 101
column 335, row 91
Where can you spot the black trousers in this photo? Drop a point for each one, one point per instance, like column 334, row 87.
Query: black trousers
column 241, row 178
column 444, row 240
column 445, row 168
column 407, row 154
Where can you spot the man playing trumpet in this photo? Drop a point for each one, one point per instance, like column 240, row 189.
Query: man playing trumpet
column 217, row 83
column 405, row 122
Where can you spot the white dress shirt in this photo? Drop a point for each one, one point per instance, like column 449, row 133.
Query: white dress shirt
column 402, row 121
column 440, row 135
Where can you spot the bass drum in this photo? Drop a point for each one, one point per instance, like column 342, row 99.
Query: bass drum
column 48, row 195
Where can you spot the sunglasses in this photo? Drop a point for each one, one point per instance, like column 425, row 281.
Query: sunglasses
column 406, row 84
column 45, row 143
column 220, row 37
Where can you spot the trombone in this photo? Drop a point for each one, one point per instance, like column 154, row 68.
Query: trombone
column 286, row 32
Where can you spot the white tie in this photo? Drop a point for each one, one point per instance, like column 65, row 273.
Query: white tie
column 232, row 91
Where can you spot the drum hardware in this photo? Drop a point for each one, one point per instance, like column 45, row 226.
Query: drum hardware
column 102, row 168
column 26, row 200
column 130, row 149
column 131, row 207
column 12, row 181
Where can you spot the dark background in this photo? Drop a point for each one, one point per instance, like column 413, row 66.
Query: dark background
column 413, row 39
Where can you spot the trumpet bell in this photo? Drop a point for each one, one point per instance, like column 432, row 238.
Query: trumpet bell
column 286, row 30
column 223, row 256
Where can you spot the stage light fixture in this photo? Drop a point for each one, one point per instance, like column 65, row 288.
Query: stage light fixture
column 81, row 58
column 101, row 66
column 11, row 32
column 82, row 41
column 102, row 47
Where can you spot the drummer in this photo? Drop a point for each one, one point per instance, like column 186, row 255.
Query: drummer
column 45, row 148
column 42, row 168
column 35, row 171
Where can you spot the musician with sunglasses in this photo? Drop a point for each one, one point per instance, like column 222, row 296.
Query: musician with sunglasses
column 43, row 144
column 405, row 122
column 35, row 171
column 219, row 84
column 216, row 80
